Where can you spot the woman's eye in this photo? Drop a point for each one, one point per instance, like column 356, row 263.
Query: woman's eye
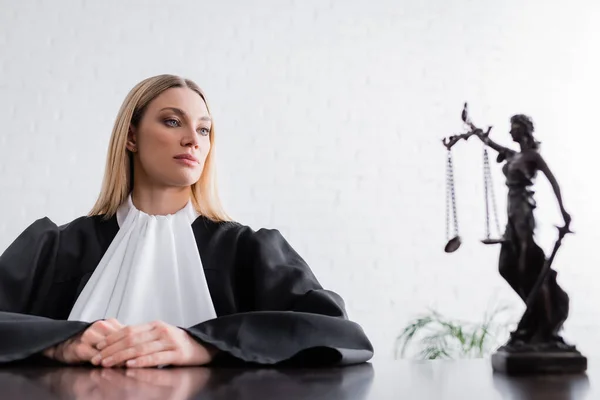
column 204, row 131
column 169, row 122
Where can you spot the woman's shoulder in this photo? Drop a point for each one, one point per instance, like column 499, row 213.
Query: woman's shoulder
column 44, row 233
column 88, row 224
column 77, row 228
column 239, row 230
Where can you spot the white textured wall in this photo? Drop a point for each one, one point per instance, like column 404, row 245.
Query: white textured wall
column 329, row 118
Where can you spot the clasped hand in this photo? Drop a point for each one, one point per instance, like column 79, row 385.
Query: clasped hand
column 108, row 343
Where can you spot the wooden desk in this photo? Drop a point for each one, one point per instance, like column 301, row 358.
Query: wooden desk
column 464, row 379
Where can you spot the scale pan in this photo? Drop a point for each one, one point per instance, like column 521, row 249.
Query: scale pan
column 452, row 245
column 492, row 241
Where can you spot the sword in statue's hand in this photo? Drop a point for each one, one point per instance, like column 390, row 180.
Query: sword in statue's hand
column 562, row 232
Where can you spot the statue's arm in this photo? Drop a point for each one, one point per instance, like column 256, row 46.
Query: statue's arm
column 485, row 138
column 542, row 166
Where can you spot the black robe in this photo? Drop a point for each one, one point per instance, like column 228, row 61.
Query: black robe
column 270, row 307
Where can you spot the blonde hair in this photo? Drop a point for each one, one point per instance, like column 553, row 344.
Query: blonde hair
column 117, row 182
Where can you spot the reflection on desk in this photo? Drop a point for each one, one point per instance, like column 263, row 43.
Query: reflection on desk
column 351, row 382
column 429, row 380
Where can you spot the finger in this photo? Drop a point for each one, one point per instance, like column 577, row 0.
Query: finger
column 78, row 353
column 49, row 352
column 122, row 333
column 85, row 352
column 97, row 333
column 92, row 337
column 128, row 342
column 105, row 327
column 115, row 323
column 153, row 360
column 120, row 357
column 135, row 352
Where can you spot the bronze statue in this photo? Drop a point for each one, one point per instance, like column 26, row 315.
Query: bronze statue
column 522, row 263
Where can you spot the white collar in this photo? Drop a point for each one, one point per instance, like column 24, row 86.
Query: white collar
column 127, row 205
column 151, row 271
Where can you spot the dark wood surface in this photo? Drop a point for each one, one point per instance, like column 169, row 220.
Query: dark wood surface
column 463, row 379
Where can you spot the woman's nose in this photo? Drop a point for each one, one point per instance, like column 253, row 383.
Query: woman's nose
column 191, row 139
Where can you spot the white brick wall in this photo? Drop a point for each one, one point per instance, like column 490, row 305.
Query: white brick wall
column 329, row 118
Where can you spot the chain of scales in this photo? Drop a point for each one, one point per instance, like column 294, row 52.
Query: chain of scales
column 453, row 238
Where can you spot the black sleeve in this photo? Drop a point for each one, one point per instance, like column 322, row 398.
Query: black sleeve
column 22, row 267
column 295, row 320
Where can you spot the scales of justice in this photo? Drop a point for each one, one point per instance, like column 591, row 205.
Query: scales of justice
column 535, row 346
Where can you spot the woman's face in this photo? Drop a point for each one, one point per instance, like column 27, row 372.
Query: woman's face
column 175, row 125
column 516, row 132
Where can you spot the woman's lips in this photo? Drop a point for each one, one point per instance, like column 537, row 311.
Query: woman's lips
column 187, row 162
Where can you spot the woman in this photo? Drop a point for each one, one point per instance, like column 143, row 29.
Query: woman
column 157, row 274
column 521, row 259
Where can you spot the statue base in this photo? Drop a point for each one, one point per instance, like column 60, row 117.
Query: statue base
column 538, row 362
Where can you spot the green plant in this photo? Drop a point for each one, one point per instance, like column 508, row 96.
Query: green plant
column 441, row 338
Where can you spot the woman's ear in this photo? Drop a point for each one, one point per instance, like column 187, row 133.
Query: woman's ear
column 131, row 140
